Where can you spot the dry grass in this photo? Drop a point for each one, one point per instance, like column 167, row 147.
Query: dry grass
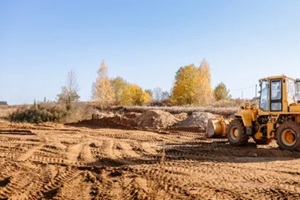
column 80, row 111
column 6, row 111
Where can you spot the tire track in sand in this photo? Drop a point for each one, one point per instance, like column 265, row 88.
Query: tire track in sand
column 86, row 154
column 29, row 153
column 73, row 152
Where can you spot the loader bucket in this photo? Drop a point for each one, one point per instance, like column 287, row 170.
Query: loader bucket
column 216, row 128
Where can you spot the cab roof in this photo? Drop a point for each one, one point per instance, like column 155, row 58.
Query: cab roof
column 277, row 77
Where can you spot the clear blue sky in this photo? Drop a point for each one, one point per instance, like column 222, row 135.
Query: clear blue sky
column 145, row 42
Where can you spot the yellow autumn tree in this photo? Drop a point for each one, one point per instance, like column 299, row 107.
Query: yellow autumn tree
column 204, row 92
column 185, row 89
column 147, row 96
column 134, row 95
column 192, row 85
column 119, row 85
column 221, row 92
column 103, row 93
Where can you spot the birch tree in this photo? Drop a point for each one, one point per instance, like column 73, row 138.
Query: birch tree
column 69, row 92
column 103, row 91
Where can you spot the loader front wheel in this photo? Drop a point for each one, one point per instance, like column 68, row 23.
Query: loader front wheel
column 288, row 136
column 236, row 133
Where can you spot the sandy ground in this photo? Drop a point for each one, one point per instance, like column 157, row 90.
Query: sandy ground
column 61, row 162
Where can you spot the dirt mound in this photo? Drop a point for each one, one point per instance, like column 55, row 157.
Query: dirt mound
column 100, row 115
column 151, row 119
column 196, row 121
column 181, row 116
column 132, row 115
column 156, row 119
column 100, row 121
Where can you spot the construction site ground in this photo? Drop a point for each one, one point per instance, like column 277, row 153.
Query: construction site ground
column 54, row 161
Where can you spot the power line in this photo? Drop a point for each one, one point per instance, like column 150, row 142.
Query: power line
column 245, row 88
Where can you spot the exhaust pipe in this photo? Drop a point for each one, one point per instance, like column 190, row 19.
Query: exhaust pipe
column 216, row 128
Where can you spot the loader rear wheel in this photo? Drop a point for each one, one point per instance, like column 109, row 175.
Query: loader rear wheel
column 236, row 133
column 288, row 136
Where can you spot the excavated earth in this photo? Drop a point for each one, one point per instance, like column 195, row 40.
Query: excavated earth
column 83, row 161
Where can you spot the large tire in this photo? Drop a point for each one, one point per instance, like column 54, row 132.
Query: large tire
column 236, row 133
column 288, row 136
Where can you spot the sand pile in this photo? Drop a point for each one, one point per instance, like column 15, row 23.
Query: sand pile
column 100, row 115
column 107, row 121
column 156, row 119
column 181, row 116
column 196, row 121
column 151, row 119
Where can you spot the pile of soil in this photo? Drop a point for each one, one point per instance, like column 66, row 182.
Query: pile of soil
column 100, row 115
column 151, row 119
column 115, row 121
column 156, row 119
column 181, row 116
column 196, row 121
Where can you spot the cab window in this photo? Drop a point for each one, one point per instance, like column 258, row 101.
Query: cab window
column 275, row 90
column 264, row 96
column 298, row 90
column 291, row 91
column 276, row 95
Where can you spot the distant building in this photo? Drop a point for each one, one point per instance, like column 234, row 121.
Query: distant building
column 3, row 103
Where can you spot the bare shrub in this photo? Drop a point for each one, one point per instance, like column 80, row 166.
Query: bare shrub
column 51, row 112
column 6, row 111
column 39, row 113
column 79, row 111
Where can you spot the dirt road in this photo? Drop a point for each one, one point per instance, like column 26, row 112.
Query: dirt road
column 58, row 162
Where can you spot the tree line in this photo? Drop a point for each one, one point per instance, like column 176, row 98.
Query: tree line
column 192, row 86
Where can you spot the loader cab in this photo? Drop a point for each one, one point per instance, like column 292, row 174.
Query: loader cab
column 271, row 95
column 277, row 93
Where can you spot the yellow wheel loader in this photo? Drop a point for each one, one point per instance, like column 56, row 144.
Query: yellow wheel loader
column 277, row 116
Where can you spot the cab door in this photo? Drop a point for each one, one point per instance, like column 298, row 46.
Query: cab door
column 276, row 95
column 264, row 95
